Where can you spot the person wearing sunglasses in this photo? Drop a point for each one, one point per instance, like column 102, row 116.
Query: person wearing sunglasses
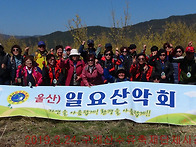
column 107, row 61
column 40, row 54
column 163, row 67
column 51, row 72
column 178, row 54
column 15, row 60
column 187, row 66
column 123, row 55
column 92, row 72
column 140, row 70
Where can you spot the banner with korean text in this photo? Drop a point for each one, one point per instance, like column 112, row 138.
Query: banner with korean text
column 138, row 101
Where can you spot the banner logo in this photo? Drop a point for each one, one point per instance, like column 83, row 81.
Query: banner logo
column 18, row 97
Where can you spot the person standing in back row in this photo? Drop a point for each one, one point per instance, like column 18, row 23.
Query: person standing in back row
column 40, row 54
column 90, row 50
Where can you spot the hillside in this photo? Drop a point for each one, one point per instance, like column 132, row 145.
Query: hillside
column 65, row 38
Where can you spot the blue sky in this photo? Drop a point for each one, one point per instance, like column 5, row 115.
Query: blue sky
column 40, row 17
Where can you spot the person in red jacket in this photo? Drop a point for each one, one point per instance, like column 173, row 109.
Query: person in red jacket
column 92, row 73
column 51, row 72
column 29, row 74
column 59, row 53
column 74, row 66
column 140, row 70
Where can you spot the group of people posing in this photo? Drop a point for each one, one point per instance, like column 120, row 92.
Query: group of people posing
column 64, row 66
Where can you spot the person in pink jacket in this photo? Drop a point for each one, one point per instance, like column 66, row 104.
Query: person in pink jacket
column 92, row 73
column 29, row 74
column 73, row 66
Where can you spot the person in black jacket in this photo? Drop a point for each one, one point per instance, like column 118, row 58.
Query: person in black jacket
column 188, row 67
column 163, row 67
column 15, row 60
column 90, row 50
column 128, row 60
column 4, row 67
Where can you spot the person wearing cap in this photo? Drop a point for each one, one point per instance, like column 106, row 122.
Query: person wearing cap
column 120, row 75
column 92, row 72
column 132, row 50
column 129, row 59
column 74, row 66
column 51, row 72
column 154, row 50
column 163, row 67
column 40, row 54
column 4, row 67
column 140, row 70
column 89, row 50
column 66, row 52
column 154, row 54
column 155, row 78
column 187, row 66
column 108, row 46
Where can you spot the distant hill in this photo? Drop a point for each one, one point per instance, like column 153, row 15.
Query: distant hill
column 65, row 38
column 157, row 24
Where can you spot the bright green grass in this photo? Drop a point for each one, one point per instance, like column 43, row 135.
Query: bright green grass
column 36, row 112
column 176, row 118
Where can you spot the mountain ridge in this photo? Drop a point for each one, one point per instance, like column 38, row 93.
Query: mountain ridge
column 60, row 37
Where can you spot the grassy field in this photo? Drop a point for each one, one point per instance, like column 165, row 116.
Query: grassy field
column 28, row 131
